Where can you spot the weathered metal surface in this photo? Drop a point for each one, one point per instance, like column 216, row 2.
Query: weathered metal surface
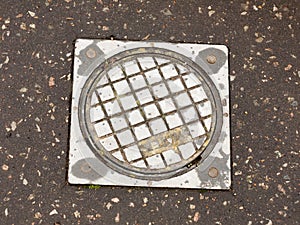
column 128, row 132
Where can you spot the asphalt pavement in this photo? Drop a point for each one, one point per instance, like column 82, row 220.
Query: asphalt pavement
column 36, row 53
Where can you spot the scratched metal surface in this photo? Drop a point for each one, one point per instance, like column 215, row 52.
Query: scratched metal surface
column 106, row 103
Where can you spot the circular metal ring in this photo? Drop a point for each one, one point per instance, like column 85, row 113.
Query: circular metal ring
column 179, row 108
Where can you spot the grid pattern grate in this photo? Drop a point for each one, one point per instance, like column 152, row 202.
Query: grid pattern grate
column 148, row 113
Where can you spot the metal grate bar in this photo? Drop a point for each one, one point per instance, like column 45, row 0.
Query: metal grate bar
column 109, row 123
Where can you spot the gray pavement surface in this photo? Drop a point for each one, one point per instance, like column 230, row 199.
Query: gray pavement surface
column 36, row 50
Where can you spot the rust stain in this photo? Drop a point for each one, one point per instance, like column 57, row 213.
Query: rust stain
column 169, row 140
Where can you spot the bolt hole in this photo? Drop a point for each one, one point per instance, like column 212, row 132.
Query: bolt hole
column 211, row 59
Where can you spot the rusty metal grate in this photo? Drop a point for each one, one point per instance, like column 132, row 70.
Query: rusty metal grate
column 150, row 114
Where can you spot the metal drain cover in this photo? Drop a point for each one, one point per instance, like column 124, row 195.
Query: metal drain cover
column 150, row 114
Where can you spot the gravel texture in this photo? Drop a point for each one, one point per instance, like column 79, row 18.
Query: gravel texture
column 36, row 50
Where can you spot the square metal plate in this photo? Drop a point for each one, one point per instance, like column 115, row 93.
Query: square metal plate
column 150, row 114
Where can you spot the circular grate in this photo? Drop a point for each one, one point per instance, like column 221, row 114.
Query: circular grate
column 149, row 113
